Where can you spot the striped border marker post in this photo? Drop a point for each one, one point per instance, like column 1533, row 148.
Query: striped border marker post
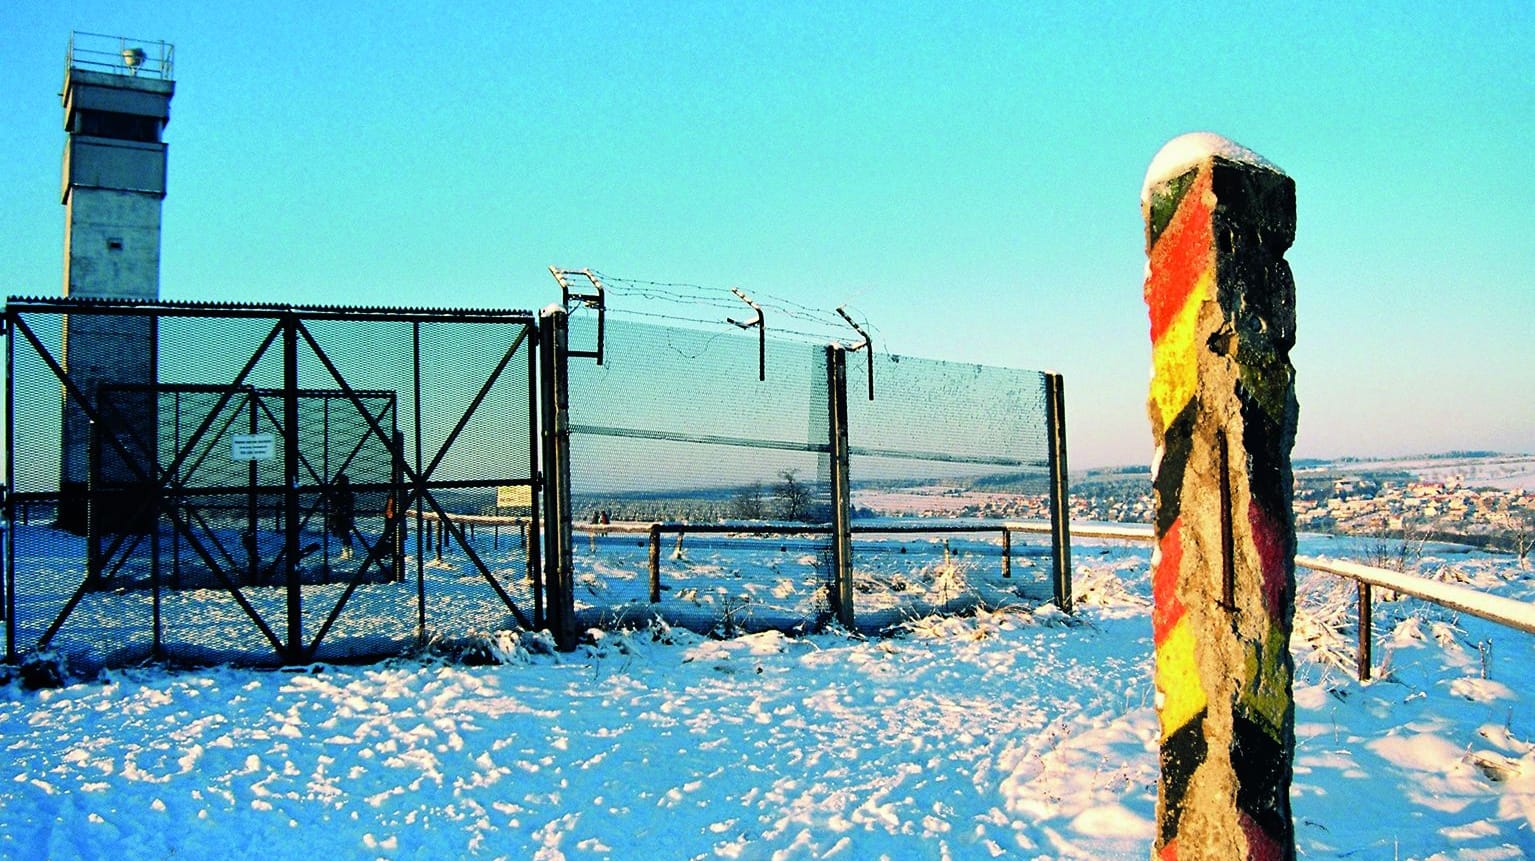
column 1222, row 304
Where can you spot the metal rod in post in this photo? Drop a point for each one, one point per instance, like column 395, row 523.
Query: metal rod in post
column 1228, row 541
column 1060, row 490
column 1365, row 635
column 295, row 646
column 655, row 563
column 841, row 586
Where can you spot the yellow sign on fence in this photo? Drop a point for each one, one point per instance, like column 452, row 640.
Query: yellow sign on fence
column 514, row 496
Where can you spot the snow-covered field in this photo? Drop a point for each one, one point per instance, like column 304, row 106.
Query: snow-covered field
column 1019, row 733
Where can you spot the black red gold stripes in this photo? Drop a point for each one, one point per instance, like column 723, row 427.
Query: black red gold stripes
column 1221, row 305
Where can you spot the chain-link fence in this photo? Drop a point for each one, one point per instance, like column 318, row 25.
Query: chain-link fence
column 704, row 481
column 944, row 455
column 261, row 484
column 675, row 427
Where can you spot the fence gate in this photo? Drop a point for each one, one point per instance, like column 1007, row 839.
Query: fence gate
column 263, row 484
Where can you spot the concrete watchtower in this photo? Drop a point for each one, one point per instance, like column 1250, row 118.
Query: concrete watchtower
column 117, row 99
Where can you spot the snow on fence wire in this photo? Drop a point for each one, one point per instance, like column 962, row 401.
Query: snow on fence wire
column 1494, row 608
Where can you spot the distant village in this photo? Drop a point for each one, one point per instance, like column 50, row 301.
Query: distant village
column 1360, row 505
column 1389, row 502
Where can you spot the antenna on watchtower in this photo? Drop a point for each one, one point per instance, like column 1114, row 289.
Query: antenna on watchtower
column 590, row 294
column 760, row 324
column 866, row 344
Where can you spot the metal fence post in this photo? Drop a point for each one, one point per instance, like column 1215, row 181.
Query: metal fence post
column 841, row 585
column 532, row 529
column 1366, row 623
column 396, row 508
column 8, row 574
column 655, row 563
column 252, row 562
column 94, row 566
column 1060, row 490
column 293, row 653
column 423, row 530
column 555, row 407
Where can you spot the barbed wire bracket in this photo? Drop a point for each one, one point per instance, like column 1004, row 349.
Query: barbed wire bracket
column 590, row 294
column 866, row 344
column 760, row 324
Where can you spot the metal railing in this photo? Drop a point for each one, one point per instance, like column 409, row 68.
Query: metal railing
column 1494, row 608
column 656, row 530
column 121, row 55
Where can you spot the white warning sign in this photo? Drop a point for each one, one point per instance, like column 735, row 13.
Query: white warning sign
column 252, row 446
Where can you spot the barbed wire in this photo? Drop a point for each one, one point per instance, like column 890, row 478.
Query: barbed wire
column 826, row 323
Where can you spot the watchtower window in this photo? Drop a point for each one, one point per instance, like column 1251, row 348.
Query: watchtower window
column 110, row 124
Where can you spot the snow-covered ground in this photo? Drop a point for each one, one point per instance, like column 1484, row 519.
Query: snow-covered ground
column 1017, row 733
column 738, row 582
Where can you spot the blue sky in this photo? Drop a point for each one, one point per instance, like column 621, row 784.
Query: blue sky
column 964, row 176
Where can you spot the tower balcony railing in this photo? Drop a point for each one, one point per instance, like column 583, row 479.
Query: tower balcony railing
column 120, row 55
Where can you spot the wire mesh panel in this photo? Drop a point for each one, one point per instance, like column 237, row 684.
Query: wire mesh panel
column 357, row 593
column 49, row 458
column 950, row 445
column 477, row 437
column 674, row 427
column 260, row 490
column 259, row 484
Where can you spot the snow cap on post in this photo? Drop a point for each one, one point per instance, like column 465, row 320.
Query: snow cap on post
column 1221, row 301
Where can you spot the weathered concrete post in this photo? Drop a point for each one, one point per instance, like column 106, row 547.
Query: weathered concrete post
column 1222, row 303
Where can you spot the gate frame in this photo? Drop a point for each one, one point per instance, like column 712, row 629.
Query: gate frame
column 412, row 487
